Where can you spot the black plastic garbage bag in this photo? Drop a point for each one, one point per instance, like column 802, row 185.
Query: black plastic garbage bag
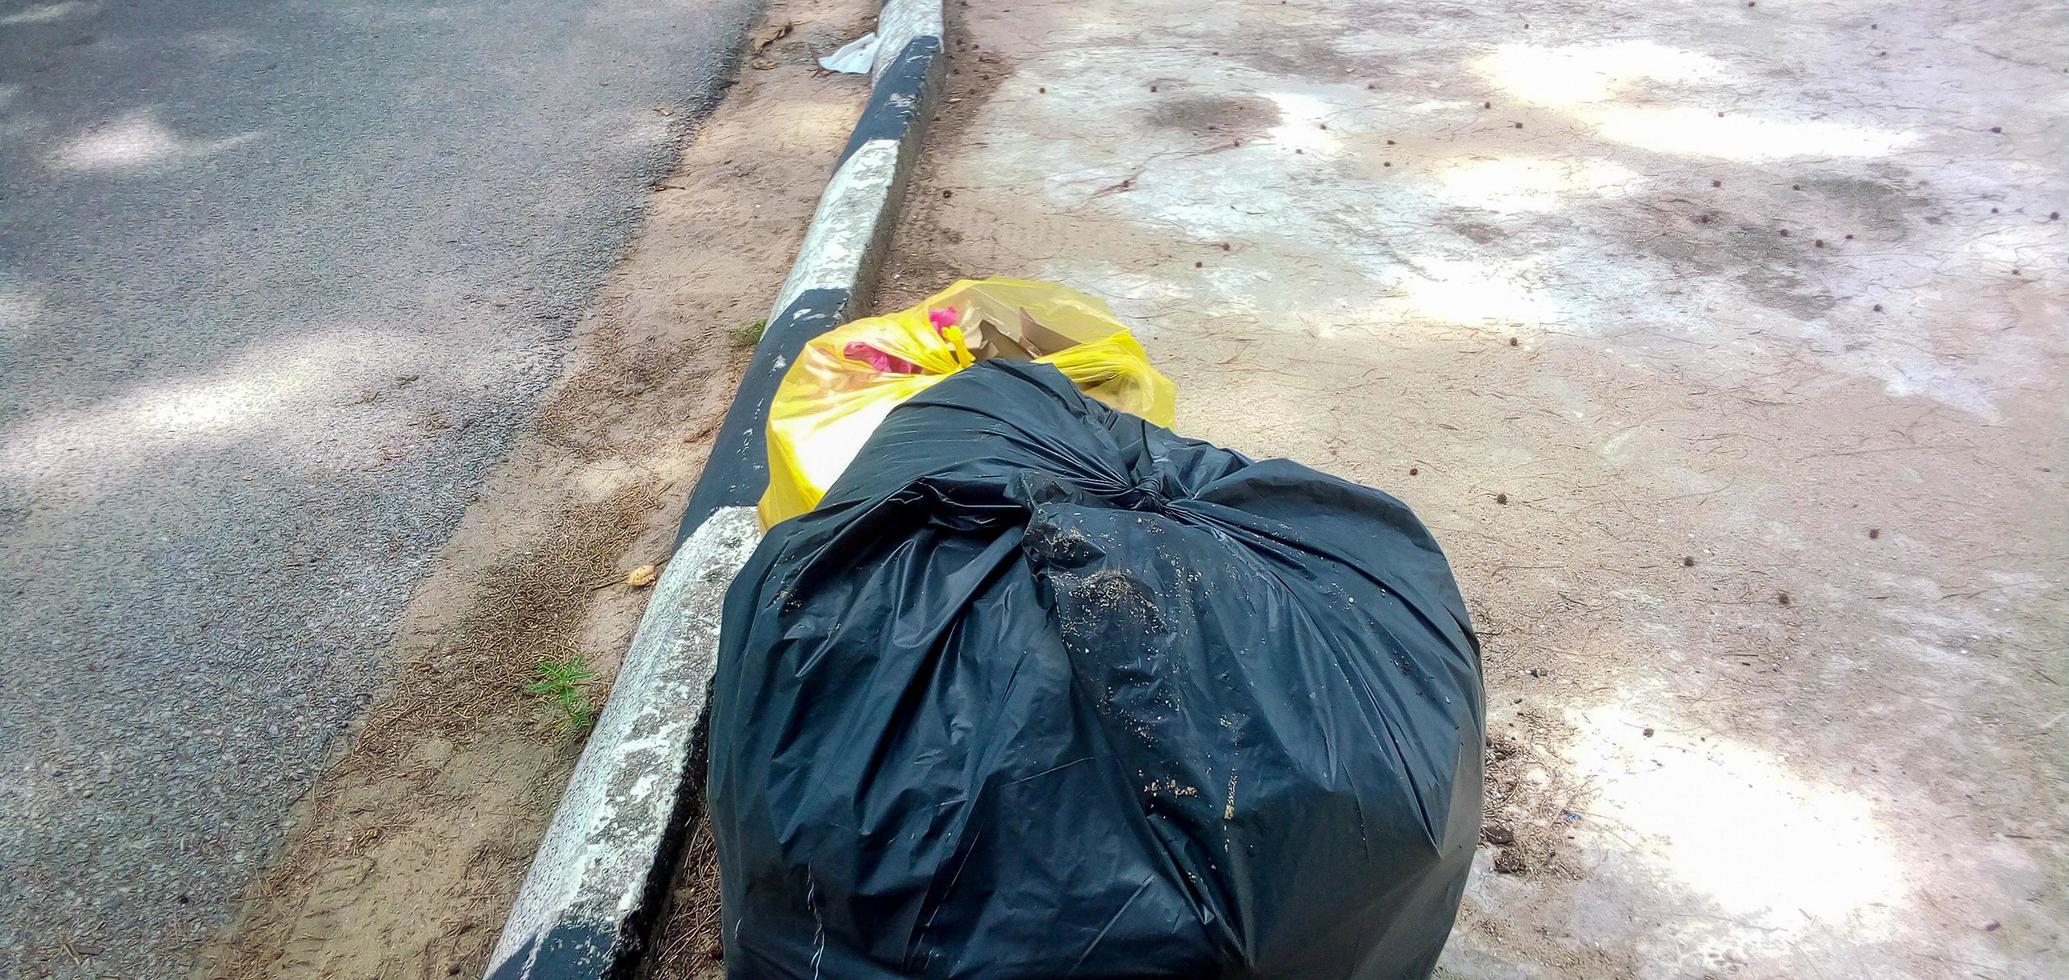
column 1043, row 690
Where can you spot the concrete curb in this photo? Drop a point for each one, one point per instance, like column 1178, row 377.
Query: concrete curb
column 598, row 885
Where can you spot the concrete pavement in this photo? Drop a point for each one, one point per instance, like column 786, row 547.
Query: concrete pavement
column 277, row 283
column 1722, row 348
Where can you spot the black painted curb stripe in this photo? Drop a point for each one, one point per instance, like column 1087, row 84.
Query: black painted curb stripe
column 737, row 471
column 902, row 96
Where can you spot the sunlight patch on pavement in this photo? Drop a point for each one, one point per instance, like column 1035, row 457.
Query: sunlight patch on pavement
column 1619, row 89
column 18, row 309
column 134, row 141
column 1699, row 132
column 1467, row 292
column 1514, row 184
column 1582, row 73
column 256, row 394
column 1734, row 824
column 1301, row 119
column 44, row 13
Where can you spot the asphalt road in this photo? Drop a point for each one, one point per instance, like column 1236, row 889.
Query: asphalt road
column 278, row 282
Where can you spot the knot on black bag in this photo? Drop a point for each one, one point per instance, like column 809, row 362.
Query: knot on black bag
column 1148, row 494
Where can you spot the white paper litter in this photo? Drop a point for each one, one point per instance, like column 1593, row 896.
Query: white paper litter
column 854, row 57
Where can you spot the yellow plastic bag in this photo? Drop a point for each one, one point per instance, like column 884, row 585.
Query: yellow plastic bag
column 846, row 380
